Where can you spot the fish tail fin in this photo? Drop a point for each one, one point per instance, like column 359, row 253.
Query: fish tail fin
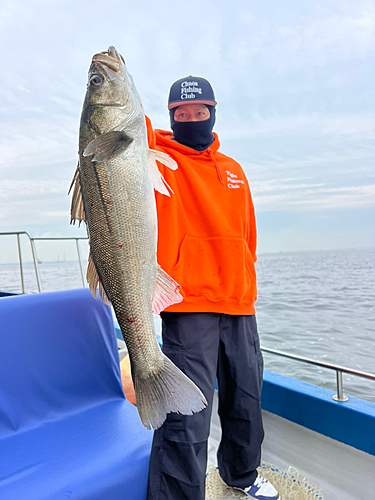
column 168, row 390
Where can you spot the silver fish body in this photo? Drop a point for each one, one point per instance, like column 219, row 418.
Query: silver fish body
column 114, row 193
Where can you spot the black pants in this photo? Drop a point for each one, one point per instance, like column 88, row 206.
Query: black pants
column 206, row 345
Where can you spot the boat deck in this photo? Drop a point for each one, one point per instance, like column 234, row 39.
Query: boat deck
column 335, row 470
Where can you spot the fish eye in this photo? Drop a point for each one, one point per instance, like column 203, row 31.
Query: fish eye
column 96, row 80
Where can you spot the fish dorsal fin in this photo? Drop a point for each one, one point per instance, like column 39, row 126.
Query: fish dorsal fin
column 166, row 292
column 107, row 145
column 77, row 211
column 158, row 181
column 93, row 280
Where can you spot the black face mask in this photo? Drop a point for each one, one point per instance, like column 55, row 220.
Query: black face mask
column 195, row 135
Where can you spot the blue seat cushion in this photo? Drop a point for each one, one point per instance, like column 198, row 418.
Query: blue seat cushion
column 66, row 429
column 101, row 453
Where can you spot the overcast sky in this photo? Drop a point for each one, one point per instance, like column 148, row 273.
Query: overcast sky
column 294, row 81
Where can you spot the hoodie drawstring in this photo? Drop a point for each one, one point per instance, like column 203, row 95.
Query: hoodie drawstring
column 216, row 166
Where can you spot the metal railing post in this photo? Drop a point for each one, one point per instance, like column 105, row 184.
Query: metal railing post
column 339, row 370
column 36, row 267
column 80, row 263
column 35, row 258
column 20, row 263
column 340, row 391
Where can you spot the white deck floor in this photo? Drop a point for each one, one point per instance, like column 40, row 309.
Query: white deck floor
column 338, row 470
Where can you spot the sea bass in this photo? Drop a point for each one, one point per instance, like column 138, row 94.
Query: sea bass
column 114, row 194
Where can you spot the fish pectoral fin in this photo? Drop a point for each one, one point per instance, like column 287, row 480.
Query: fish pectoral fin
column 77, row 211
column 166, row 292
column 164, row 159
column 93, row 280
column 107, row 145
column 158, row 181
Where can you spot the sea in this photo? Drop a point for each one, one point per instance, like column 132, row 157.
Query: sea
column 318, row 304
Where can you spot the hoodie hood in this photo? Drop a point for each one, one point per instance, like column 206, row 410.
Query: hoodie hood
column 164, row 138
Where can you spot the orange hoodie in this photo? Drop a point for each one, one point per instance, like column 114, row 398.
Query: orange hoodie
column 206, row 229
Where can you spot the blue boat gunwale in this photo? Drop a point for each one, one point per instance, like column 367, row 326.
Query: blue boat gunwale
column 351, row 422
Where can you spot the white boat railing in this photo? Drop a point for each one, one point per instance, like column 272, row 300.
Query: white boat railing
column 339, row 369
column 35, row 257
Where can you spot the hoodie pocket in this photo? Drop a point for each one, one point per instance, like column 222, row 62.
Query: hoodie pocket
column 218, row 268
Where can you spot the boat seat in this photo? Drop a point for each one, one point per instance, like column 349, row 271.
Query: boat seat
column 66, row 429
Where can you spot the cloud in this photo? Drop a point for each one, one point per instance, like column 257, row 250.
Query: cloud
column 57, row 213
column 306, row 43
column 293, row 81
column 275, row 185
column 333, row 39
column 356, row 126
column 307, row 198
column 38, row 142
column 28, row 187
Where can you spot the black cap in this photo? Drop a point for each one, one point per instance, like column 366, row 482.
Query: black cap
column 191, row 89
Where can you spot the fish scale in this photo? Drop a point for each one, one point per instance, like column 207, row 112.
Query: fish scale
column 114, row 195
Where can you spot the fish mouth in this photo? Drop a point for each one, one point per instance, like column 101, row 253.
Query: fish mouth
column 110, row 60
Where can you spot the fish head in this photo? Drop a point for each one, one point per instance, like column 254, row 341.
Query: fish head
column 111, row 90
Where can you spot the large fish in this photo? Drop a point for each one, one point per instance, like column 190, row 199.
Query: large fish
column 114, row 194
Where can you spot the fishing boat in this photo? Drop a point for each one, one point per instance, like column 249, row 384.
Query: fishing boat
column 67, row 431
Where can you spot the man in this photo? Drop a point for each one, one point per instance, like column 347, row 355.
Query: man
column 207, row 243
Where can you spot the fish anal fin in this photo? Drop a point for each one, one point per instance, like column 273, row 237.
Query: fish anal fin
column 158, row 181
column 77, row 211
column 103, row 295
column 93, row 280
column 107, row 145
column 166, row 292
column 92, row 276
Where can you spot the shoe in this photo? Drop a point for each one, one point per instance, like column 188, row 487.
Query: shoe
column 262, row 490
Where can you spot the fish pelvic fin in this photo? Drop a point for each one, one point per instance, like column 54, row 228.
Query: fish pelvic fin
column 77, row 211
column 93, row 280
column 158, row 181
column 108, row 145
column 166, row 292
column 168, row 390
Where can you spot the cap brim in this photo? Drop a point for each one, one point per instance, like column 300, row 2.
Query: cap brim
column 195, row 101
